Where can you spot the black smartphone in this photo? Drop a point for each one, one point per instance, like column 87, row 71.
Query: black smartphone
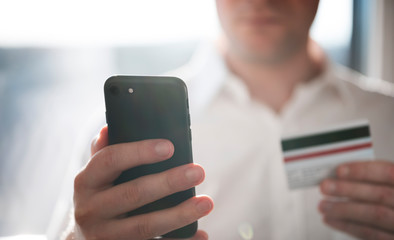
column 150, row 107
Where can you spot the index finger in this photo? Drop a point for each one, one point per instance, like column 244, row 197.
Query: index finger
column 108, row 163
column 371, row 171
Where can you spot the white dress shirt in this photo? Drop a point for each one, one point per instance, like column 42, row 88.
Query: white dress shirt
column 237, row 141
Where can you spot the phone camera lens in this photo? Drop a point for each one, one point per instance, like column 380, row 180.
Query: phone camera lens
column 114, row 90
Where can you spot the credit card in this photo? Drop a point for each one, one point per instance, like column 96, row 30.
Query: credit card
column 313, row 157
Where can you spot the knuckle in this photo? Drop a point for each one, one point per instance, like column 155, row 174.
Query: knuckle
column 356, row 170
column 367, row 233
column 339, row 209
column 144, row 228
column 97, row 236
column 170, row 182
column 379, row 214
column 391, row 174
column 384, row 236
column 83, row 214
column 79, row 182
column 379, row 236
column 140, row 149
column 93, row 235
column 132, row 194
column 340, row 188
column 109, row 160
column 187, row 216
column 385, row 195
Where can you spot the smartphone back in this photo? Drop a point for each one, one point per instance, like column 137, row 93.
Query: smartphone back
column 141, row 107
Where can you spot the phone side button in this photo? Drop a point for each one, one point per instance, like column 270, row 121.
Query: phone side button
column 190, row 134
column 188, row 118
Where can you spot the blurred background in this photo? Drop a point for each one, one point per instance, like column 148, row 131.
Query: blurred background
column 56, row 55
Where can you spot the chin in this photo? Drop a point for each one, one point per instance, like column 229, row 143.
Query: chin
column 259, row 48
column 271, row 47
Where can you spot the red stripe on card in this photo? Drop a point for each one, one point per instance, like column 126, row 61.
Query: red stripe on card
column 327, row 152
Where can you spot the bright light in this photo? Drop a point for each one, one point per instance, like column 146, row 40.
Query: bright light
column 130, row 22
column 334, row 22
column 116, row 22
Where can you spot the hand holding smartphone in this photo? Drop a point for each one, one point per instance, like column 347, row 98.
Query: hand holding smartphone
column 140, row 108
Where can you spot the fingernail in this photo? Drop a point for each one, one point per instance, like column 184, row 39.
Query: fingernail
column 326, row 206
column 203, row 206
column 343, row 171
column 193, row 174
column 329, row 187
column 162, row 148
column 95, row 139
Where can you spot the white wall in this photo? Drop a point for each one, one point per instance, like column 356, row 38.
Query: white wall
column 381, row 47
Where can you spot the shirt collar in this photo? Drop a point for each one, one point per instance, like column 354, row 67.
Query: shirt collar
column 207, row 74
column 204, row 76
column 328, row 84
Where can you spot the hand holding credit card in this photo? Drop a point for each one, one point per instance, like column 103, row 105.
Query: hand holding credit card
column 313, row 157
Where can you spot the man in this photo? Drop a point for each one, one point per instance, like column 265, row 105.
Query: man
column 265, row 79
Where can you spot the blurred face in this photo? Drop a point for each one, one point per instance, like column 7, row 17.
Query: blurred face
column 266, row 30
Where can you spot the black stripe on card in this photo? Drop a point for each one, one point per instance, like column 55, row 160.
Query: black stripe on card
column 325, row 138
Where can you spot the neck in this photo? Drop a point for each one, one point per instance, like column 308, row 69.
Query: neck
column 274, row 83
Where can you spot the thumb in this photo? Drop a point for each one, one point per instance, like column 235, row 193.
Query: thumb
column 100, row 141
